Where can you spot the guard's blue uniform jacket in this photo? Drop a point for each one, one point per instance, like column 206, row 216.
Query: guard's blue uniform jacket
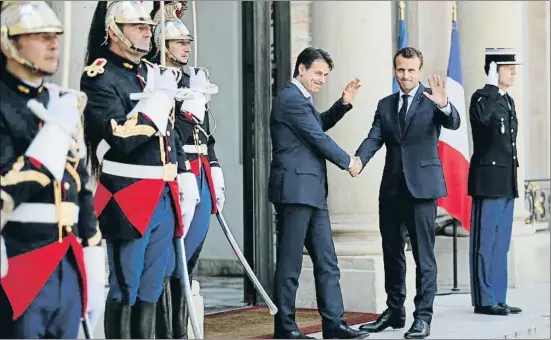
column 136, row 161
column 45, row 218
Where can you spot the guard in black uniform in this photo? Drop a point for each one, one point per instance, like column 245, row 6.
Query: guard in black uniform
column 493, row 183
column 49, row 235
column 193, row 126
column 139, row 163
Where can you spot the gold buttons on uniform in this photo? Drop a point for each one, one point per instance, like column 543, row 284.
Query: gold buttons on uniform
column 168, row 133
column 66, row 186
column 169, row 148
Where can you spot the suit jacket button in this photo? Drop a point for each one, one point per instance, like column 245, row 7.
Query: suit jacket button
column 493, row 163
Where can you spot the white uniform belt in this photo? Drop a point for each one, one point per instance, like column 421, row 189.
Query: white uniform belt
column 167, row 172
column 200, row 149
column 45, row 213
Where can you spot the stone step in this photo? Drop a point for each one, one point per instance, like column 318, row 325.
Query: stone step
column 454, row 318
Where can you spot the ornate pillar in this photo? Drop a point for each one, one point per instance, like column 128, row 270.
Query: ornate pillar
column 537, row 89
column 360, row 46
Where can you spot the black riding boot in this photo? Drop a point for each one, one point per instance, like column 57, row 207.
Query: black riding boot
column 163, row 323
column 179, row 309
column 143, row 320
column 116, row 321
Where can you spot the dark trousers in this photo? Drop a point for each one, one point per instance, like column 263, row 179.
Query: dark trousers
column 137, row 267
column 419, row 217
column 55, row 312
column 299, row 226
column 490, row 237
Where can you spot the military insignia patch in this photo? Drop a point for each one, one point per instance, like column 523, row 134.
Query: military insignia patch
column 96, row 67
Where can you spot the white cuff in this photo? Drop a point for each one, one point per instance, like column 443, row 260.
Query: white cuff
column 3, row 258
column 187, row 183
column 351, row 163
column 157, row 107
column 94, row 261
column 50, row 148
column 218, row 177
column 447, row 109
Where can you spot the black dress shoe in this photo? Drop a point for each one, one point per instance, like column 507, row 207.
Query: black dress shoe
column 420, row 329
column 491, row 310
column 385, row 320
column 512, row 310
column 344, row 332
column 292, row 335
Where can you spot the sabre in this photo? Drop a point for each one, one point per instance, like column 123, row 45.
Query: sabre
column 66, row 43
column 86, row 327
column 272, row 307
column 187, row 287
column 194, row 20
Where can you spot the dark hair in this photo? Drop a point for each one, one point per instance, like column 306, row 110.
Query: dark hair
column 96, row 35
column 487, row 68
column 409, row 53
column 309, row 55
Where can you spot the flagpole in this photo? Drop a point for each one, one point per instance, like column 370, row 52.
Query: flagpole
column 455, row 289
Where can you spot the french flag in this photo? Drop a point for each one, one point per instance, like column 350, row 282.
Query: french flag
column 453, row 147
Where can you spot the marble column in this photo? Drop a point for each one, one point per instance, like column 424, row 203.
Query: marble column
column 538, row 89
column 81, row 18
column 358, row 36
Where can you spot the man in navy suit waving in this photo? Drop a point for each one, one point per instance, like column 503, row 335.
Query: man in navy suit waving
column 408, row 123
column 298, row 190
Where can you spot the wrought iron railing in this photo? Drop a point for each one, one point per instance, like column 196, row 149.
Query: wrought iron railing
column 537, row 199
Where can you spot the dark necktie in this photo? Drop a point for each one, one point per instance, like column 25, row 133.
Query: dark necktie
column 403, row 111
column 508, row 100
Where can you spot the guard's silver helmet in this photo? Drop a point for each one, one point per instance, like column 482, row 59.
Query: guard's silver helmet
column 175, row 29
column 126, row 12
column 25, row 17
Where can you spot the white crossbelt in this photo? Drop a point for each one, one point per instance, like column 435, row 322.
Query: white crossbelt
column 102, row 149
column 201, row 149
column 139, row 171
column 45, row 213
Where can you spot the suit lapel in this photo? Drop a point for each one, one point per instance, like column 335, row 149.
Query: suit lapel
column 419, row 96
column 297, row 90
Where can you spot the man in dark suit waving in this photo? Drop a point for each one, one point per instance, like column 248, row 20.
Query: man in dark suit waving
column 408, row 123
column 298, row 190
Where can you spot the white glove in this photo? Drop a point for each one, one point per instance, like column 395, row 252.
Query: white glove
column 196, row 106
column 157, row 99
column 3, row 258
column 492, row 78
column 189, row 197
column 200, row 82
column 53, row 141
column 219, row 186
column 94, row 261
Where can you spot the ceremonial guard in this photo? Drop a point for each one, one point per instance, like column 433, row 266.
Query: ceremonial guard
column 138, row 161
column 49, row 235
column 193, row 126
column 493, row 183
